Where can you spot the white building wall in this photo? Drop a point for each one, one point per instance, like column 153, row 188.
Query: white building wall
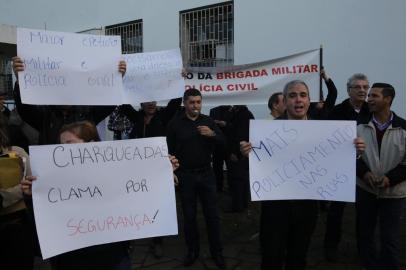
column 366, row 36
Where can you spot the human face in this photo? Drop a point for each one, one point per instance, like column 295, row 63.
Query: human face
column 69, row 137
column 280, row 105
column 193, row 106
column 358, row 91
column 376, row 101
column 149, row 107
column 297, row 102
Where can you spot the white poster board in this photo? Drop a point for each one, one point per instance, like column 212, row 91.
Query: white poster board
column 69, row 69
column 312, row 160
column 153, row 76
column 96, row 193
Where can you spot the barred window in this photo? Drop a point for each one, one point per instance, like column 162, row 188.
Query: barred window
column 131, row 35
column 6, row 80
column 207, row 35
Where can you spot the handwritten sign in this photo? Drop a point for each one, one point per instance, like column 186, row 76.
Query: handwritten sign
column 153, row 76
column 302, row 160
column 96, row 193
column 69, row 69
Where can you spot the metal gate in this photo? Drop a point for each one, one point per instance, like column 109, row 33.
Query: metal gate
column 207, row 35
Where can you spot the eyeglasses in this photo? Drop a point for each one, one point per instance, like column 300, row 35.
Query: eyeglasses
column 359, row 87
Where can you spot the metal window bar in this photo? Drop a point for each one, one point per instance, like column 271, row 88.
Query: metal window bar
column 131, row 35
column 206, row 35
column 6, row 79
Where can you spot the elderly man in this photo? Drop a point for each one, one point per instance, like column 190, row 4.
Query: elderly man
column 287, row 226
column 353, row 108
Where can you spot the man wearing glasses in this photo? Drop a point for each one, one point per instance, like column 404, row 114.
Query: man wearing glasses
column 353, row 108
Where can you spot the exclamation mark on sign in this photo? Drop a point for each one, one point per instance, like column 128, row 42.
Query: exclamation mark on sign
column 156, row 213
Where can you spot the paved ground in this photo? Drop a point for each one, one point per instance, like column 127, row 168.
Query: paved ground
column 241, row 247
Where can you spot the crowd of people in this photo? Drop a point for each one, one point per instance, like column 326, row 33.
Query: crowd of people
column 200, row 146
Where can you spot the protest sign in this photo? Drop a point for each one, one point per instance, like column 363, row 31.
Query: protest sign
column 95, row 193
column 153, row 76
column 69, row 69
column 296, row 159
column 254, row 83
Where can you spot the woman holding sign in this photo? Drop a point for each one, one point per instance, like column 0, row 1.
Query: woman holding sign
column 112, row 256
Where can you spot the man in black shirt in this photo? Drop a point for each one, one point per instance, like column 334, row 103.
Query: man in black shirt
column 192, row 137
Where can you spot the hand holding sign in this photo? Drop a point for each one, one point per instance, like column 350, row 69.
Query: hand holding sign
column 18, row 65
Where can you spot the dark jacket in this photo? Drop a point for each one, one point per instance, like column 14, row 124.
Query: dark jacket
column 329, row 103
column 240, row 128
column 223, row 113
column 157, row 125
column 345, row 111
column 48, row 120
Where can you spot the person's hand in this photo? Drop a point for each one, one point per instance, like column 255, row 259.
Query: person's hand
column 384, row 182
column 245, row 148
column 18, row 65
column 320, row 105
column 122, row 67
column 183, row 73
column 26, row 185
column 324, row 74
column 174, row 161
column 360, row 145
column 371, row 179
column 233, row 158
column 175, row 180
column 205, row 131
column 220, row 123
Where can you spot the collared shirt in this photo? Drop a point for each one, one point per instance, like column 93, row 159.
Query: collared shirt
column 382, row 126
column 380, row 129
column 185, row 142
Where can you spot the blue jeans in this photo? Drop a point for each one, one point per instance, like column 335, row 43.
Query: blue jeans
column 372, row 211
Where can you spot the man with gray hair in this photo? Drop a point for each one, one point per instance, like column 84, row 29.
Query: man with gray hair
column 288, row 225
column 353, row 108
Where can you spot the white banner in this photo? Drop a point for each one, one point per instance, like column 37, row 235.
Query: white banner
column 302, row 160
column 95, row 193
column 69, row 69
column 153, row 76
column 254, row 83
